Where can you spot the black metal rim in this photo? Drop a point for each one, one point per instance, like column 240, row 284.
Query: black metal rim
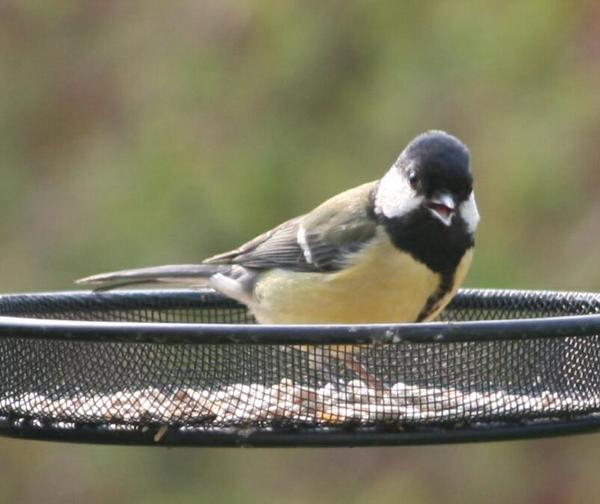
column 192, row 333
column 63, row 317
column 331, row 437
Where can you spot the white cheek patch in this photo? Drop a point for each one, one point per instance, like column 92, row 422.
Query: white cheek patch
column 394, row 196
column 469, row 213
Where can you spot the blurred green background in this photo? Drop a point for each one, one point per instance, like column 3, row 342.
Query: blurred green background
column 140, row 133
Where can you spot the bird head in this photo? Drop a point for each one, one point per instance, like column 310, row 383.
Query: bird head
column 431, row 174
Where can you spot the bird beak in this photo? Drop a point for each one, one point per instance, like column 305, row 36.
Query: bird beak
column 442, row 206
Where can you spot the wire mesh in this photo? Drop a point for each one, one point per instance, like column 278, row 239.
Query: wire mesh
column 161, row 383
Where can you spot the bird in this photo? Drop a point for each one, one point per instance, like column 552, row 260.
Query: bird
column 392, row 250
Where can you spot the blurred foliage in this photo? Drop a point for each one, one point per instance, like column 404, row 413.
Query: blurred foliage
column 139, row 133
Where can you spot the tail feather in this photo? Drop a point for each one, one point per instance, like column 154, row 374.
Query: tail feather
column 196, row 274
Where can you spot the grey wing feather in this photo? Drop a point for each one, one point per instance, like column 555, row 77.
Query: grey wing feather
column 275, row 248
column 332, row 243
column 337, row 228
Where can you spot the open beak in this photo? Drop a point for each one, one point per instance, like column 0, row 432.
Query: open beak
column 443, row 207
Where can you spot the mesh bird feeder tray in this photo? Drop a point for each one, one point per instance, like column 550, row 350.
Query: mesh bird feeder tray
column 182, row 367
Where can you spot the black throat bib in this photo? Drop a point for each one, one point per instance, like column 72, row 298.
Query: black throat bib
column 441, row 248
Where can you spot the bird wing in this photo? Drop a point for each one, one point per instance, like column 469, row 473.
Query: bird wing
column 321, row 240
column 276, row 247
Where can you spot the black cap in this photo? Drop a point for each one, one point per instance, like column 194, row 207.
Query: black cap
column 438, row 161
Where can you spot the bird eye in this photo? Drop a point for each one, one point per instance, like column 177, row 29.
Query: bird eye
column 413, row 179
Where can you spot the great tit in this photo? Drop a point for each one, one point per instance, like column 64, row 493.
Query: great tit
column 391, row 250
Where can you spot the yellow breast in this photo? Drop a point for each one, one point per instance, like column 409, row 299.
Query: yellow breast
column 384, row 285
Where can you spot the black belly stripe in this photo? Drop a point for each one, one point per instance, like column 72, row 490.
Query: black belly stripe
column 433, row 301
